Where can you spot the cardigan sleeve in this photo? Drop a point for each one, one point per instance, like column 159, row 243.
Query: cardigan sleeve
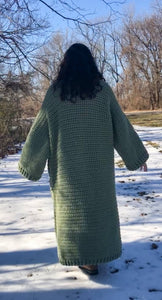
column 36, row 149
column 126, row 140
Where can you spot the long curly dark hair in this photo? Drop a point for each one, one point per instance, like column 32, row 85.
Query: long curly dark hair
column 78, row 75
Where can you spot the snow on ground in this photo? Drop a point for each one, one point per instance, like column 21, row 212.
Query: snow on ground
column 29, row 267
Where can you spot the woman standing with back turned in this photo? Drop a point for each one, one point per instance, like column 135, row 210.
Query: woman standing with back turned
column 76, row 130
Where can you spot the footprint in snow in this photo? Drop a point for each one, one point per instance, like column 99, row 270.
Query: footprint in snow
column 72, row 278
column 131, row 260
column 154, row 246
column 114, row 270
column 142, row 193
column 155, row 290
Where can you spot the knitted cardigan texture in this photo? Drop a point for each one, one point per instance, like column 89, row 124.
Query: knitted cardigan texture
column 78, row 141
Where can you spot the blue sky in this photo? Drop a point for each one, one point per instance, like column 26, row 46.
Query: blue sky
column 98, row 9
column 139, row 6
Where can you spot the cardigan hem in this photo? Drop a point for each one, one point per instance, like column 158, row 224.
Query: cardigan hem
column 78, row 262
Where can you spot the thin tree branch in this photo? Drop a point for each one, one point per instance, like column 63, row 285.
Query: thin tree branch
column 76, row 20
column 111, row 3
column 25, row 56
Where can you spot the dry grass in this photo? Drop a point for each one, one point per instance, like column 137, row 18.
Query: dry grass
column 155, row 145
column 120, row 163
column 153, row 119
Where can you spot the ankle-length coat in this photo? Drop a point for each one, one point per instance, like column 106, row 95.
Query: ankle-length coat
column 78, row 141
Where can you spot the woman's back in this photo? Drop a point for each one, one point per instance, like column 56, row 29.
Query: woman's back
column 84, row 137
column 78, row 141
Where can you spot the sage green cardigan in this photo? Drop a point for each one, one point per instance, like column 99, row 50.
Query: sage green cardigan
column 78, row 141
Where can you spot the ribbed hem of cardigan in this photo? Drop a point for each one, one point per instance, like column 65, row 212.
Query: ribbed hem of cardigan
column 95, row 261
column 143, row 158
column 24, row 172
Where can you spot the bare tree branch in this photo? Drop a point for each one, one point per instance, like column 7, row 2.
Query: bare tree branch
column 19, row 23
column 111, row 3
column 81, row 19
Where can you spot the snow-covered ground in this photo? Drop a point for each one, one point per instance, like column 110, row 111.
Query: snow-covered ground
column 29, row 267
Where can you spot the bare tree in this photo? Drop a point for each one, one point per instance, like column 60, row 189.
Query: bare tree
column 141, row 52
column 48, row 59
column 18, row 24
column 20, row 21
column 103, row 42
column 12, row 105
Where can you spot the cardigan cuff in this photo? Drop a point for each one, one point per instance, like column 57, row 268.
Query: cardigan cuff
column 26, row 174
column 141, row 160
